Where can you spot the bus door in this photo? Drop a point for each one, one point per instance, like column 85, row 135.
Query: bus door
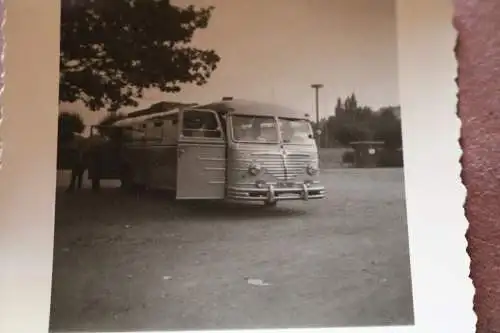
column 201, row 155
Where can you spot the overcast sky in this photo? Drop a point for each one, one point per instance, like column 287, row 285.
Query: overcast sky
column 272, row 50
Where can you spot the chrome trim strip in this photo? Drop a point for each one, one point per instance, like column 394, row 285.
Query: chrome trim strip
column 275, row 189
column 282, row 198
column 305, row 192
column 202, row 144
column 270, row 195
column 266, row 153
column 217, row 182
column 212, row 159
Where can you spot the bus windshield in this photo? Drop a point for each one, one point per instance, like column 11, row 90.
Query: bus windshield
column 296, row 131
column 254, row 129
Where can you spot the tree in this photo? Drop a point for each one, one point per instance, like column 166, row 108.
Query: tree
column 347, row 133
column 387, row 128
column 68, row 125
column 351, row 121
column 351, row 103
column 355, row 122
column 111, row 51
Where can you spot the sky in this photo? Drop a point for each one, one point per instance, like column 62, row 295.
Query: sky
column 273, row 50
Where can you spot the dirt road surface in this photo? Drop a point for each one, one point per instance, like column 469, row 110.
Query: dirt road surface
column 125, row 262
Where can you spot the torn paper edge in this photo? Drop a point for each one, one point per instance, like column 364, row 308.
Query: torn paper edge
column 440, row 264
column 461, row 145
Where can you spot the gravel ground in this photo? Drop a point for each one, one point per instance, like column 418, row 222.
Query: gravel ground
column 123, row 262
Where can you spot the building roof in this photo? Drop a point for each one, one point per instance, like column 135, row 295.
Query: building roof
column 159, row 107
column 128, row 121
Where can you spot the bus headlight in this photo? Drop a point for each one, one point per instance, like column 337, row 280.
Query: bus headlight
column 260, row 184
column 312, row 170
column 254, row 169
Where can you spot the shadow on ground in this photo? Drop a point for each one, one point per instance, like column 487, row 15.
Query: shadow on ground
column 145, row 262
column 161, row 205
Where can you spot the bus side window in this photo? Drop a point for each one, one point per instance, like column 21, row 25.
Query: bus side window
column 198, row 123
column 134, row 133
column 154, row 130
column 170, row 130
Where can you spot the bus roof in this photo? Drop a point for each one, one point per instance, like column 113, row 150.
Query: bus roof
column 252, row 108
column 235, row 106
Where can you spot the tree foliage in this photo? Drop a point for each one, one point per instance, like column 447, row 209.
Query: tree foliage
column 355, row 122
column 388, row 128
column 112, row 50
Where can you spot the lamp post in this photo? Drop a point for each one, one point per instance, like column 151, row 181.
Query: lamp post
column 317, row 87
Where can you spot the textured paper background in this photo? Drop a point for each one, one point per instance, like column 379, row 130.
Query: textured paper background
column 478, row 52
column 442, row 292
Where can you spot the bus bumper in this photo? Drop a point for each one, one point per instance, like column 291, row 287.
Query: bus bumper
column 271, row 193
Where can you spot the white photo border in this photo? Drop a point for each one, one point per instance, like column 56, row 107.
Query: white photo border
column 442, row 292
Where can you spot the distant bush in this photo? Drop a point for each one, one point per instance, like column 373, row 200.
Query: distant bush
column 348, row 157
column 391, row 158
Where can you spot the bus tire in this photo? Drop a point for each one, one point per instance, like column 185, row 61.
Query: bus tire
column 127, row 181
column 96, row 184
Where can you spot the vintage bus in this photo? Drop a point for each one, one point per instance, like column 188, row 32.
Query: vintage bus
column 235, row 150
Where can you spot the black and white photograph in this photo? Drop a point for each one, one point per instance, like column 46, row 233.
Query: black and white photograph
column 229, row 164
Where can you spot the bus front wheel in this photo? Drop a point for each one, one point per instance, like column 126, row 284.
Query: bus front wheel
column 126, row 178
column 127, row 182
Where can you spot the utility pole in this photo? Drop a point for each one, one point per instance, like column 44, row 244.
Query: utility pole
column 317, row 87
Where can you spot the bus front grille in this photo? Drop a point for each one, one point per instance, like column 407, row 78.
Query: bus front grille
column 282, row 167
column 272, row 164
column 296, row 164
